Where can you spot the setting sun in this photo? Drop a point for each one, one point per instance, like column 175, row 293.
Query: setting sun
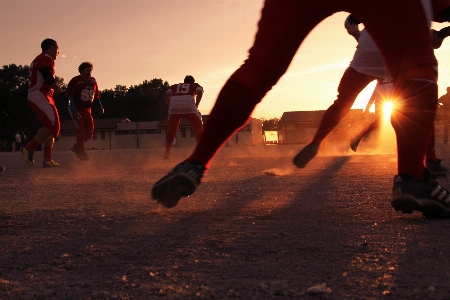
column 387, row 109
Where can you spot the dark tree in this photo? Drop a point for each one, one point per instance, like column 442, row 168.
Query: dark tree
column 270, row 124
column 146, row 101
column 14, row 111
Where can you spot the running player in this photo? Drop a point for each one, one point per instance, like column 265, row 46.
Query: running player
column 40, row 98
column 83, row 93
column 384, row 90
column 183, row 100
column 366, row 66
column 401, row 33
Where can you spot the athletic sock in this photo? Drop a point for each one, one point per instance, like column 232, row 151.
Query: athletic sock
column 47, row 153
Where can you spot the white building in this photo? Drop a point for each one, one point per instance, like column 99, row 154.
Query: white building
column 121, row 133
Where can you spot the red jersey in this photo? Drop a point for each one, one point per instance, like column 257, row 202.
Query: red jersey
column 183, row 98
column 83, row 91
column 37, row 82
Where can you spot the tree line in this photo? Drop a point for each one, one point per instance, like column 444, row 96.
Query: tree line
column 139, row 103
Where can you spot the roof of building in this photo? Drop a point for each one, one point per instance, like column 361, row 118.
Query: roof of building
column 99, row 123
column 313, row 116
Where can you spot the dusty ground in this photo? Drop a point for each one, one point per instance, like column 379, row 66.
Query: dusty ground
column 255, row 229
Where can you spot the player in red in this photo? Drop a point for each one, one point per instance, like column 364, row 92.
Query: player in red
column 40, row 98
column 402, row 35
column 83, row 93
column 183, row 100
column 367, row 65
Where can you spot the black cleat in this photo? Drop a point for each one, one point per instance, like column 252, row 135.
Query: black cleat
column 436, row 168
column 80, row 155
column 180, row 182
column 354, row 143
column 304, row 156
column 428, row 197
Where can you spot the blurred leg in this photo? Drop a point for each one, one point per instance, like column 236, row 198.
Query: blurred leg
column 351, row 84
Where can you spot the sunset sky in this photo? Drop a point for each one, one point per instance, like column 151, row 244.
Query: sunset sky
column 132, row 41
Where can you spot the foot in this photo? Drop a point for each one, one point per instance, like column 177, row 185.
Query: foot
column 180, row 182
column 354, row 143
column 436, row 168
column 428, row 197
column 29, row 157
column 50, row 164
column 304, row 156
column 81, row 155
column 166, row 155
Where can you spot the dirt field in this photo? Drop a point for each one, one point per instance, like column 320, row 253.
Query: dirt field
column 257, row 228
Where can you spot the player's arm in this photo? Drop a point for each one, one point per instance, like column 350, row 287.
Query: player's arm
column 50, row 80
column 97, row 102
column 168, row 95
column 99, row 106
column 198, row 98
column 351, row 24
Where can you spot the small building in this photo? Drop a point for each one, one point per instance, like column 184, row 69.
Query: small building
column 121, row 133
column 299, row 127
column 103, row 138
column 249, row 135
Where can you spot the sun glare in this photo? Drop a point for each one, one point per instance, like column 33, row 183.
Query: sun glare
column 387, row 109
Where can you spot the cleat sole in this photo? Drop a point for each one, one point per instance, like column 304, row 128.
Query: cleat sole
column 171, row 190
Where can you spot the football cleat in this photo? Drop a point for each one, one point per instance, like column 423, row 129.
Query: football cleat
column 436, row 168
column 180, row 182
column 428, row 197
column 50, row 164
column 80, row 155
column 304, row 156
column 29, row 157
column 354, row 143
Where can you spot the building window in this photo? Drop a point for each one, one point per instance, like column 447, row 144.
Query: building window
column 183, row 132
column 94, row 137
column 149, row 131
column 192, row 132
column 102, row 134
column 69, row 133
column 125, row 132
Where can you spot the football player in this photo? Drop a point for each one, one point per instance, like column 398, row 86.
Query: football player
column 83, row 93
column 183, row 100
column 402, row 35
column 42, row 87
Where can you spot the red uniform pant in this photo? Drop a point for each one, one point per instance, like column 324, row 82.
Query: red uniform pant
column 174, row 123
column 46, row 112
column 399, row 28
column 85, row 128
column 351, row 84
